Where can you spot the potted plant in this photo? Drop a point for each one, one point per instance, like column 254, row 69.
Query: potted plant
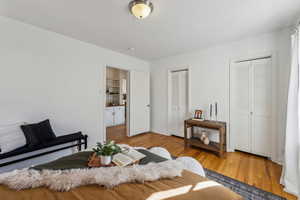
column 106, row 151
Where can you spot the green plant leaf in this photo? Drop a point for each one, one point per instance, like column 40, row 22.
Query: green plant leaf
column 107, row 149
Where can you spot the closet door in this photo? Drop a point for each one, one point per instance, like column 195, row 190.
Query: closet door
column 262, row 107
column 240, row 129
column 179, row 102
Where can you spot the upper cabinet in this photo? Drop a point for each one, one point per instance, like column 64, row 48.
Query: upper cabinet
column 116, row 83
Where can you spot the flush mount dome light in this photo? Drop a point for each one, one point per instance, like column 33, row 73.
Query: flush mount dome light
column 140, row 8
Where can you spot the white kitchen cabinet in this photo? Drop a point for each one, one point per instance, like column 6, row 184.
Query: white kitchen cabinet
column 109, row 116
column 115, row 115
column 119, row 115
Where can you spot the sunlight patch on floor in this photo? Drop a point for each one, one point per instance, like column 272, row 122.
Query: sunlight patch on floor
column 170, row 193
column 206, row 184
column 182, row 190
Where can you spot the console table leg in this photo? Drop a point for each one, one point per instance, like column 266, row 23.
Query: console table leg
column 185, row 134
column 222, row 141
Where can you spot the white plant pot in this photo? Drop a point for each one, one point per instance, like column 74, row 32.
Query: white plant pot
column 105, row 160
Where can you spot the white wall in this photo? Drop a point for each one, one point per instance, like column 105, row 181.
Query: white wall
column 47, row 75
column 210, row 78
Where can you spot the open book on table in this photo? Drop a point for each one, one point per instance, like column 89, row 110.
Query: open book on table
column 127, row 157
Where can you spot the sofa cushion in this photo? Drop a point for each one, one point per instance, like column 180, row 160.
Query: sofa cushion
column 44, row 131
column 30, row 135
column 38, row 133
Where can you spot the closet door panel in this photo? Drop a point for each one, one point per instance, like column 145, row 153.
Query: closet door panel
column 183, row 101
column 261, row 136
column 240, row 106
column 239, row 89
column 262, row 88
column 174, row 104
column 240, row 133
column 262, row 107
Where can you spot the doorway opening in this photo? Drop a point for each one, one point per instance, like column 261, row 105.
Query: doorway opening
column 116, row 106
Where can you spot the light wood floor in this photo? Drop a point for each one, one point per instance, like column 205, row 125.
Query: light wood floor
column 116, row 133
column 253, row 170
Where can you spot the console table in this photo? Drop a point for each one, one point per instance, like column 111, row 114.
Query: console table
column 219, row 148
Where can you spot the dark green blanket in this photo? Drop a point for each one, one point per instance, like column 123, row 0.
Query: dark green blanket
column 80, row 160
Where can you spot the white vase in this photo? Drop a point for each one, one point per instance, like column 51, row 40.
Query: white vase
column 105, row 160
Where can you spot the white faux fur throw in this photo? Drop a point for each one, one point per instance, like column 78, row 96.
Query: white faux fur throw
column 64, row 180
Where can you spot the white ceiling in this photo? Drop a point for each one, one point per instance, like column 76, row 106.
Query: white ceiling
column 175, row 26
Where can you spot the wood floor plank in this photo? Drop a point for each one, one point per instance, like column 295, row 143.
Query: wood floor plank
column 250, row 169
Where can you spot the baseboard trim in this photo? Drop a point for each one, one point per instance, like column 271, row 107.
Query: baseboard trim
column 158, row 132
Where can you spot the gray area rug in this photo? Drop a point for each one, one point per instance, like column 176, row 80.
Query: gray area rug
column 247, row 191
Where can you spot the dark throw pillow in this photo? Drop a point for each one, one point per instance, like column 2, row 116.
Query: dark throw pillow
column 39, row 133
column 44, row 131
column 30, row 135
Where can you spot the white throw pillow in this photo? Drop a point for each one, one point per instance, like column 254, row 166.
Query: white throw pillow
column 11, row 137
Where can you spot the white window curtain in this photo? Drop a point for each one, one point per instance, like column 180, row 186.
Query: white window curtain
column 291, row 173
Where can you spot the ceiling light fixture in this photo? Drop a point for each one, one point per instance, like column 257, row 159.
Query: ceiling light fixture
column 140, row 8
